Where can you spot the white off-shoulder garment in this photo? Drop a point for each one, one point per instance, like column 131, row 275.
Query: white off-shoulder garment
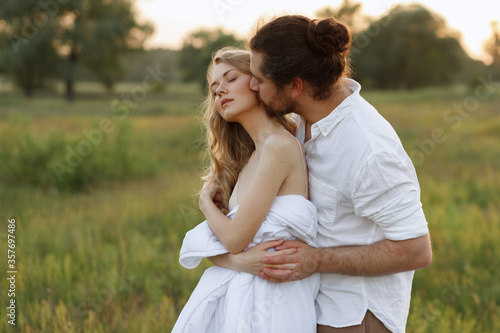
column 226, row 301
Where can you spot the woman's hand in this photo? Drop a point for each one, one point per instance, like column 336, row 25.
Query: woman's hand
column 208, row 196
column 251, row 260
column 283, row 265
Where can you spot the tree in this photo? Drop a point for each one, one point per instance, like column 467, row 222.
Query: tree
column 137, row 62
column 348, row 13
column 197, row 50
column 26, row 50
column 492, row 48
column 410, row 47
column 110, row 32
column 492, row 45
column 94, row 34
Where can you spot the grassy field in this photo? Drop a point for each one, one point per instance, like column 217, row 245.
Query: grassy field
column 98, row 235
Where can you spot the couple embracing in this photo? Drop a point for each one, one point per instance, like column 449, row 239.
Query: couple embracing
column 313, row 214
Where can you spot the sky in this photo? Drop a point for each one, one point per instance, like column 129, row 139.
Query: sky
column 175, row 19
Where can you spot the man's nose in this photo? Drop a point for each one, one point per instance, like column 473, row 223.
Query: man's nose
column 254, row 84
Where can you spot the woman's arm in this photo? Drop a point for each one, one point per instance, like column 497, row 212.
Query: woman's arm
column 275, row 165
column 250, row 261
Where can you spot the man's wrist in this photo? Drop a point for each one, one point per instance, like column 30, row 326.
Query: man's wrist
column 313, row 263
column 322, row 256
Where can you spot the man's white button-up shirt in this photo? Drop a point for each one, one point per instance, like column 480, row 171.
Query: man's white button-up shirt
column 366, row 189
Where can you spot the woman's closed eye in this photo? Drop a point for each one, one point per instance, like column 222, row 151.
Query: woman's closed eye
column 215, row 88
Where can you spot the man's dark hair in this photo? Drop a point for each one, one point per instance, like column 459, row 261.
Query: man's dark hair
column 296, row 46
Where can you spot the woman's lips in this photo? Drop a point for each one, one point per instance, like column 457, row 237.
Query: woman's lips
column 225, row 102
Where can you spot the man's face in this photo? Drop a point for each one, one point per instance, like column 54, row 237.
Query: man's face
column 270, row 96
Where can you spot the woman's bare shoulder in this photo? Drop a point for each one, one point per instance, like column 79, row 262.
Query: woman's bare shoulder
column 283, row 146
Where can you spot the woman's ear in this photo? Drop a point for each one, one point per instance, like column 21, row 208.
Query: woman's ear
column 295, row 87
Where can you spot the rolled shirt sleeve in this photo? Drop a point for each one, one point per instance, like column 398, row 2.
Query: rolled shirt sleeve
column 386, row 191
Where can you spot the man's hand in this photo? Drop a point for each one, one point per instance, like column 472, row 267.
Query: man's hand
column 276, row 263
column 251, row 260
column 380, row 258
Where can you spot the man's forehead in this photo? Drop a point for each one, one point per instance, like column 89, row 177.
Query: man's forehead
column 255, row 59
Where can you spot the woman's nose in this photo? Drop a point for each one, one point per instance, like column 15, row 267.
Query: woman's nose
column 220, row 90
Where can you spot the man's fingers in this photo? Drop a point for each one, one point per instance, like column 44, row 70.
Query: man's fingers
column 290, row 267
column 280, row 274
column 281, row 257
column 270, row 279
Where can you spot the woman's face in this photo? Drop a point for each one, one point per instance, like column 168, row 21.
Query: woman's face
column 232, row 93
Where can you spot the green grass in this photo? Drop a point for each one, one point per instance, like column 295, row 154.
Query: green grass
column 104, row 257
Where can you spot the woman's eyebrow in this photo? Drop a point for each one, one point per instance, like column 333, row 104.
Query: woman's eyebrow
column 223, row 75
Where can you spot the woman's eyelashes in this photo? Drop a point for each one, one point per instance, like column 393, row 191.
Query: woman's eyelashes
column 229, row 80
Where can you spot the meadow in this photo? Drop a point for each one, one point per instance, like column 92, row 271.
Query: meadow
column 104, row 188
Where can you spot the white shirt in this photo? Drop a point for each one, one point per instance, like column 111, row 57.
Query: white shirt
column 366, row 189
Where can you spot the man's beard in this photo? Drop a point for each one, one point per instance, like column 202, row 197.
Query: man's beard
column 280, row 105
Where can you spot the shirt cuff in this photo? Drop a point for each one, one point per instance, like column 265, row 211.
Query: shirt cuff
column 403, row 218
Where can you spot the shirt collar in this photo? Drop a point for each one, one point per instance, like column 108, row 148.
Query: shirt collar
column 325, row 125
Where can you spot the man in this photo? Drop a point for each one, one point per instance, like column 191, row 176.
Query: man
column 372, row 230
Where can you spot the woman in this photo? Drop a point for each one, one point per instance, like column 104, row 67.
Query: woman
column 255, row 157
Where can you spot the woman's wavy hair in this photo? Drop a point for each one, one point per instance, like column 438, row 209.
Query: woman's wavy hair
column 228, row 143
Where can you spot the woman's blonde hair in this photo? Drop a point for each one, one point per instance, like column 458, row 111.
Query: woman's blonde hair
column 228, row 143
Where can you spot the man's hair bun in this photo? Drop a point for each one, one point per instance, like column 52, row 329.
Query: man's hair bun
column 327, row 37
column 295, row 46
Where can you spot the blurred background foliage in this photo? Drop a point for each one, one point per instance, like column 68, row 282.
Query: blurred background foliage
column 99, row 243
column 409, row 47
column 46, row 40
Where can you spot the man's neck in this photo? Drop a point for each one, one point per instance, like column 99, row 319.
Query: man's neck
column 307, row 134
column 313, row 110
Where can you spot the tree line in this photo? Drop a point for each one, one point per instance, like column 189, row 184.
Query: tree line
column 409, row 47
column 54, row 39
column 41, row 41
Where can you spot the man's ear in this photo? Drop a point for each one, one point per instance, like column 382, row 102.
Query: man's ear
column 295, row 87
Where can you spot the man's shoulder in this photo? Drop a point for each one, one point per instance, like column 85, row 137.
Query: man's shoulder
column 365, row 125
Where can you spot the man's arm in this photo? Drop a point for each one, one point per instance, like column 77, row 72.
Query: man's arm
column 381, row 258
